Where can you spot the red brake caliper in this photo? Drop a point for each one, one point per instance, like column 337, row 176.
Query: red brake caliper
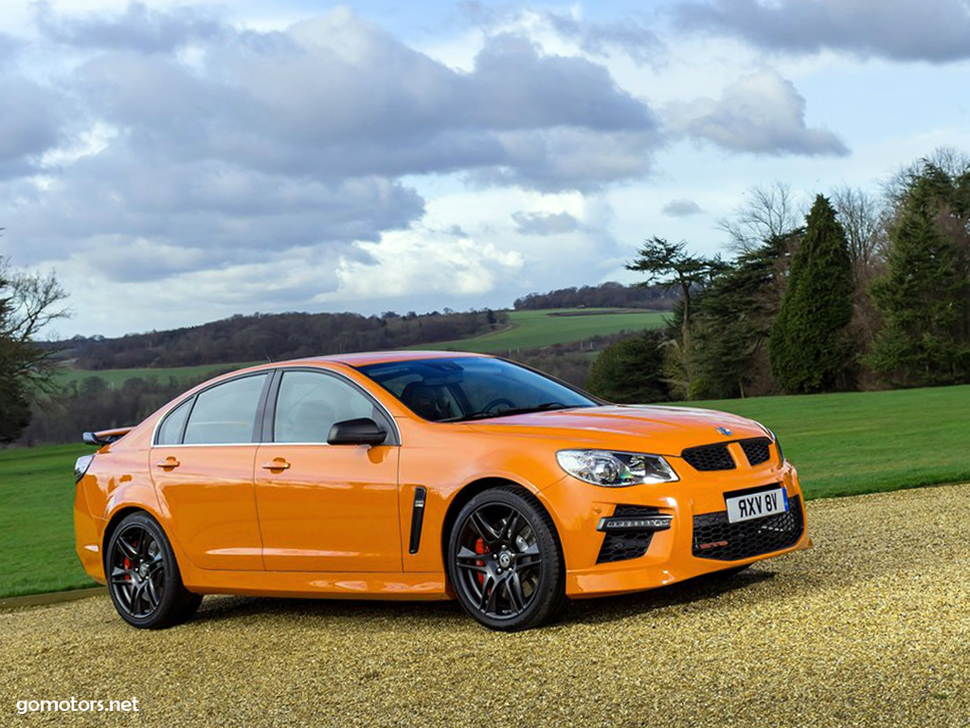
column 127, row 568
column 480, row 548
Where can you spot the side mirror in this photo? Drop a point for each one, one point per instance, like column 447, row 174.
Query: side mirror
column 361, row 431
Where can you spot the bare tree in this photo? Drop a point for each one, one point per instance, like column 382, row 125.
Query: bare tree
column 767, row 213
column 865, row 223
column 29, row 303
column 950, row 161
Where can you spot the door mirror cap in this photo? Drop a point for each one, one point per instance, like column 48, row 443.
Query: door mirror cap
column 359, row 431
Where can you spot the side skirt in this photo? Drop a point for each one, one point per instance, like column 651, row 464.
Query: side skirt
column 344, row 585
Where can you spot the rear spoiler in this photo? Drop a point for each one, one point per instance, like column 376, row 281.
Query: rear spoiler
column 105, row 437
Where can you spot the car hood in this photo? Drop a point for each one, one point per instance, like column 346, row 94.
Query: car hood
column 655, row 429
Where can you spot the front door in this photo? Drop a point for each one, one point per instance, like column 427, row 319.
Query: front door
column 326, row 507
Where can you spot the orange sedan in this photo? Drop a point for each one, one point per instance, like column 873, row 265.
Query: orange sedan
column 423, row 475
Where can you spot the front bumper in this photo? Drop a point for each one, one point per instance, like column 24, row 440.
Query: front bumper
column 672, row 555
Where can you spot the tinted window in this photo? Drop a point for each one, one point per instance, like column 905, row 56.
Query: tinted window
column 471, row 387
column 309, row 403
column 225, row 414
column 170, row 433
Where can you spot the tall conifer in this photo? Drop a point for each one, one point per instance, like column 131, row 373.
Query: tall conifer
column 810, row 347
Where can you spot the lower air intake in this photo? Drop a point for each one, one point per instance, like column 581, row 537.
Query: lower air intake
column 626, row 545
column 715, row 538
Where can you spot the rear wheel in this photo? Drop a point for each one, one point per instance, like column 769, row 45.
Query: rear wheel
column 504, row 561
column 143, row 577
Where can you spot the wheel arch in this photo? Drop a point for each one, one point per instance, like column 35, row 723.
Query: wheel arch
column 123, row 512
column 469, row 491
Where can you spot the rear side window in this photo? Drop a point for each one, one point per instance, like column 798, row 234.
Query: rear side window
column 170, row 433
column 309, row 403
column 226, row 414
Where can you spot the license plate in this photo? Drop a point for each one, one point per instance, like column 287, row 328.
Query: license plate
column 756, row 505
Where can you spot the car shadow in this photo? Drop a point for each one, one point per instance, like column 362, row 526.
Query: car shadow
column 380, row 615
column 216, row 609
column 694, row 591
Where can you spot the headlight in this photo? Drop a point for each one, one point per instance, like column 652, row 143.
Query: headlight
column 615, row 469
column 774, row 439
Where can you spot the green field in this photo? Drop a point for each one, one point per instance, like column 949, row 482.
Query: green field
column 36, row 520
column 529, row 329
column 866, row 442
column 843, row 444
column 117, row 377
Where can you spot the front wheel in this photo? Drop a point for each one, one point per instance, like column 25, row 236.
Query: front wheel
column 504, row 561
column 143, row 578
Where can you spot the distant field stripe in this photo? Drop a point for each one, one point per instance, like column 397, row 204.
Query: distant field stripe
column 531, row 329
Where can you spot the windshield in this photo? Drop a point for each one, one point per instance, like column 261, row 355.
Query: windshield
column 467, row 388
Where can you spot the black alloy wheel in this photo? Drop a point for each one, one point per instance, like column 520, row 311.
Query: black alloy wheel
column 143, row 578
column 504, row 561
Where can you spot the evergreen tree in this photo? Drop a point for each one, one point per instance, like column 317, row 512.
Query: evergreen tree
column 810, row 347
column 733, row 322
column 631, row 370
column 924, row 296
column 671, row 266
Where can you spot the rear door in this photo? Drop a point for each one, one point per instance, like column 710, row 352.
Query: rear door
column 325, row 507
column 202, row 465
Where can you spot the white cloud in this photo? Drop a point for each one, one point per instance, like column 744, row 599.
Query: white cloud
column 761, row 114
column 425, row 262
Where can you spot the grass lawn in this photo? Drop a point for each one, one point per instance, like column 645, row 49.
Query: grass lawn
column 530, row 329
column 37, row 522
column 866, row 442
column 843, row 444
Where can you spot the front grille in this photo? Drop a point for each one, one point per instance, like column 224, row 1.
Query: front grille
column 757, row 451
column 622, row 546
column 715, row 538
column 709, row 457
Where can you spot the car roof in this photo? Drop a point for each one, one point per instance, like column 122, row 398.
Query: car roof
column 364, row 358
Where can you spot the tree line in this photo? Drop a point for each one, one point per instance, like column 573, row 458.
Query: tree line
column 262, row 337
column 860, row 293
column 605, row 295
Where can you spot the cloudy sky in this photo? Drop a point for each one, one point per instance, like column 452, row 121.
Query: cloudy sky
column 176, row 163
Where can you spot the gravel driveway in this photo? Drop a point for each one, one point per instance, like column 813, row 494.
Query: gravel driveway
column 871, row 628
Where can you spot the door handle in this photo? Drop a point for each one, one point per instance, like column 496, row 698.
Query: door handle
column 278, row 464
column 169, row 463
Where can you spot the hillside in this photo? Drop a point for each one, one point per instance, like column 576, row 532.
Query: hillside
column 519, row 330
column 262, row 337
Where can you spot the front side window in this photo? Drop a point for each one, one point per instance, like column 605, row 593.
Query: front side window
column 226, row 413
column 467, row 388
column 309, row 403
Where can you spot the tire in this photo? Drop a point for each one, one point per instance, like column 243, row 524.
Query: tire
column 143, row 577
column 505, row 561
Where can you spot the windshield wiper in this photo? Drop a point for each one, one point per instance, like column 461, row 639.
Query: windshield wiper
column 545, row 406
